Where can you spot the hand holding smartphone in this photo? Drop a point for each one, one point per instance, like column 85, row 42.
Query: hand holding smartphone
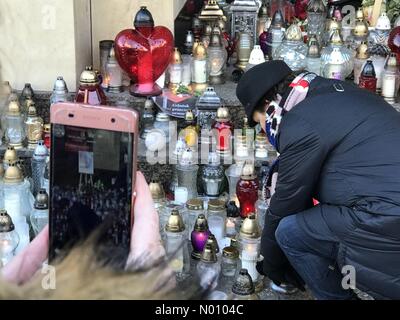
column 92, row 178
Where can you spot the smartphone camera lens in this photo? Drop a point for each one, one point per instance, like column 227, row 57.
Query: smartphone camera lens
column 113, row 120
column 71, row 115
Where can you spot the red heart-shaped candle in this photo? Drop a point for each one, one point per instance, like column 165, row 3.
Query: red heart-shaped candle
column 144, row 52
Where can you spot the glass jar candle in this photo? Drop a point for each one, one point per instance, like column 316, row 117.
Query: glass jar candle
column 165, row 212
column 176, row 244
column 316, row 16
column 390, row 79
column 217, row 219
column 113, row 75
column 17, row 195
column 213, row 176
column 186, row 69
column 243, row 49
column 217, row 57
column 162, row 123
column 194, row 208
column 250, row 242
column 199, row 68
column 223, row 129
column 271, row 39
column 40, row 215
column 105, row 47
column 313, row 57
column 368, row 78
column 33, row 127
column 261, row 209
column 9, row 238
column 187, row 173
column 147, row 118
column 175, row 70
column 292, row 50
column 208, row 269
column 199, row 236
column 233, row 174
column 243, row 287
column 60, row 91
column 247, row 190
column 361, row 57
column 336, row 59
column 13, row 125
column 261, row 146
column 378, row 56
column 230, row 261
column 233, row 219
column 38, row 165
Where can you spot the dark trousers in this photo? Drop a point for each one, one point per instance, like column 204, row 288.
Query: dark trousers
column 313, row 253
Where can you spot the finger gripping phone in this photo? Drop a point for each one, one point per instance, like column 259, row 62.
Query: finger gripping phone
column 92, row 177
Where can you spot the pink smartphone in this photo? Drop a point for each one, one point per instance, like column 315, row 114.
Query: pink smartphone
column 92, row 177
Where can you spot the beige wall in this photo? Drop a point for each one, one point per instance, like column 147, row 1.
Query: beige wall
column 38, row 41
column 42, row 39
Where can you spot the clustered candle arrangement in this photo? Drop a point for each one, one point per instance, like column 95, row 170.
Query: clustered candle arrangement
column 211, row 212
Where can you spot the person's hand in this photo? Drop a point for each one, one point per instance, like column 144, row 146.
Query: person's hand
column 22, row 267
column 145, row 240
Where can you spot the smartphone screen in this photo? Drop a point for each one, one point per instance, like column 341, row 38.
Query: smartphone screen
column 91, row 188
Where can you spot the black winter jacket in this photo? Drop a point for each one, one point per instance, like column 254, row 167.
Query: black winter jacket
column 343, row 149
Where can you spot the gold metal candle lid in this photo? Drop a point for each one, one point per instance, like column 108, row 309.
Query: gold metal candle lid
column 248, row 172
column 243, row 285
column 156, row 190
column 216, row 205
column 42, row 200
column 200, row 52
column 360, row 13
column 230, row 252
column 88, row 76
column 361, row 28
column 213, row 241
column 313, row 49
column 176, row 57
column 250, row 228
column 195, row 44
column 195, row 204
column 336, row 38
column 10, row 155
column 201, row 223
column 13, row 174
column 211, row 11
column 222, row 114
column 13, row 108
column 28, row 102
column 6, row 223
column 208, row 255
column 263, row 12
column 333, row 24
column 216, row 41
column 362, row 51
column 392, row 60
column 175, row 222
column 47, row 127
column 293, row 33
column 32, row 110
